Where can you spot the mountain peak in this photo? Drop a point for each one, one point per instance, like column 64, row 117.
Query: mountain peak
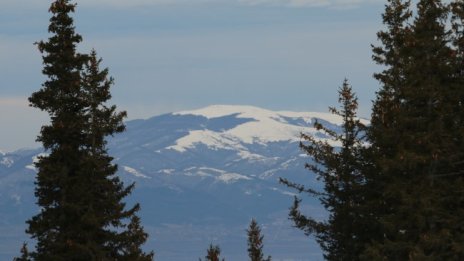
column 257, row 113
column 194, row 170
column 217, row 111
column 262, row 126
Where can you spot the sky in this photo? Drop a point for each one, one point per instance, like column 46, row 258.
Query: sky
column 171, row 55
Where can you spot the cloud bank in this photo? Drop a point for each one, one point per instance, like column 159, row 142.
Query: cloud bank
column 145, row 3
column 20, row 123
column 276, row 3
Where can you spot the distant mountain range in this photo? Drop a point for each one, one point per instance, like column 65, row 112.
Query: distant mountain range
column 200, row 177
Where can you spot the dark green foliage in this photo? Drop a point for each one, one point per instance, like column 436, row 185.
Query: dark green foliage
column 132, row 239
column 393, row 55
column 343, row 235
column 396, row 42
column 416, row 136
column 255, row 242
column 83, row 216
column 213, row 253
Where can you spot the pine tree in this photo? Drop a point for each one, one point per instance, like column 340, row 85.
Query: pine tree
column 213, row 253
column 255, row 242
column 133, row 238
column 82, row 216
column 392, row 54
column 414, row 151
column 344, row 234
column 453, row 197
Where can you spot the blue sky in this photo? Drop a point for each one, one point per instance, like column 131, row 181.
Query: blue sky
column 170, row 55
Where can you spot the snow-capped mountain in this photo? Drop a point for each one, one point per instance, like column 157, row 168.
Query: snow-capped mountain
column 200, row 177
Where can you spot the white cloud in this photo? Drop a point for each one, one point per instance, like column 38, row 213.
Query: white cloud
column 139, row 3
column 13, row 102
column 288, row 3
column 20, row 123
column 277, row 3
column 132, row 3
column 337, row 4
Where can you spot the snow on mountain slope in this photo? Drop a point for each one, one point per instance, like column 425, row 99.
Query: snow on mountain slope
column 134, row 172
column 206, row 172
column 7, row 161
column 209, row 138
column 265, row 126
column 244, row 111
column 219, row 175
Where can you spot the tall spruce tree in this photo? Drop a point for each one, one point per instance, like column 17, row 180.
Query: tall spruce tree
column 344, row 234
column 415, row 151
column 255, row 242
column 213, row 253
column 454, row 198
column 392, row 54
column 82, row 215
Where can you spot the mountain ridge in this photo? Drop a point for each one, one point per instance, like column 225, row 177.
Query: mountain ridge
column 202, row 174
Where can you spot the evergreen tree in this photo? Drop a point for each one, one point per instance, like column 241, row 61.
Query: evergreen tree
column 392, row 54
column 344, row 234
column 255, row 243
column 133, row 238
column 82, row 216
column 415, row 151
column 25, row 256
column 453, row 195
column 213, row 253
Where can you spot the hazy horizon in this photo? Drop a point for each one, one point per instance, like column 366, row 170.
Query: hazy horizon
column 177, row 55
